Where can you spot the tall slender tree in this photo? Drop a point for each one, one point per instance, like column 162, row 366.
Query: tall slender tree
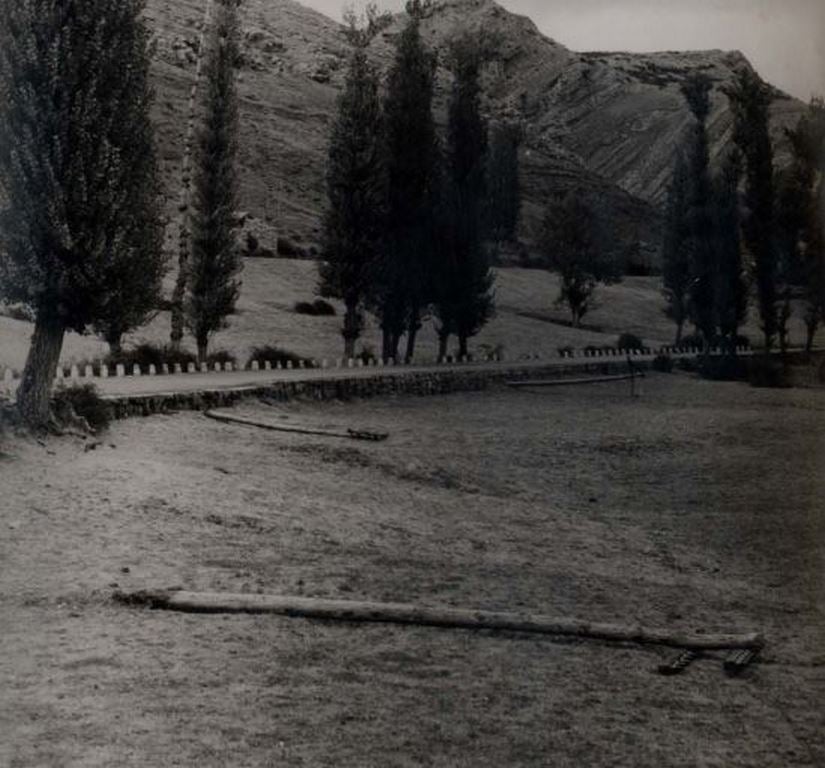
column 212, row 283
column 675, row 255
column 699, row 222
column 750, row 100
column 77, row 169
column 800, row 215
column 403, row 282
column 178, row 321
column 503, row 185
column 355, row 185
column 463, row 294
column 730, row 283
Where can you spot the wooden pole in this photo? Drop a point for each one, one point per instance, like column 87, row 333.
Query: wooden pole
column 451, row 618
column 571, row 382
column 349, row 434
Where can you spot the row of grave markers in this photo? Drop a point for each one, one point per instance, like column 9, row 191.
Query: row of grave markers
column 120, row 370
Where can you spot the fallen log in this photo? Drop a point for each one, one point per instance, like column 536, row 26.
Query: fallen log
column 570, row 382
column 350, row 434
column 453, row 618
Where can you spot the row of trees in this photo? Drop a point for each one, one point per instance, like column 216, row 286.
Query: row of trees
column 82, row 223
column 409, row 225
column 748, row 227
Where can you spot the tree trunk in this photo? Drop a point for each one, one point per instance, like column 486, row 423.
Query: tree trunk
column 203, row 349
column 462, row 345
column 351, row 330
column 411, row 335
column 176, row 335
column 34, row 393
column 115, row 342
column 811, row 326
column 386, row 344
column 680, row 327
column 443, row 340
column 395, row 338
column 349, row 348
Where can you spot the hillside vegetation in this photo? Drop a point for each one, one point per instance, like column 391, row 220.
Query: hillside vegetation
column 526, row 323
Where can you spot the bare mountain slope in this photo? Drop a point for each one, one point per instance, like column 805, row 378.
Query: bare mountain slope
column 604, row 122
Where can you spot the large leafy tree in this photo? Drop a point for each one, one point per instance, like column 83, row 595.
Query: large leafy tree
column 212, row 283
column 463, row 292
column 572, row 247
column 77, row 167
column 355, row 186
column 403, row 281
column 750, row 100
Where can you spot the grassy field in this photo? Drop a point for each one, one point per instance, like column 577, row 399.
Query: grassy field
column 527, row 322
column 697, row 506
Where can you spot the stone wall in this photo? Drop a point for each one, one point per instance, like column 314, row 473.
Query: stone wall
column 343, row 387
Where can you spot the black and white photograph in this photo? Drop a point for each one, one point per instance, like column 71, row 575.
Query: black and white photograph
column 412, row 383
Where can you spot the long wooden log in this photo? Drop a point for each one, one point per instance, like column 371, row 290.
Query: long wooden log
column 569, row 382
column 454, row 618
column 350, row 434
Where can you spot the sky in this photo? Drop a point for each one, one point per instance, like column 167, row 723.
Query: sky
column 784, row 39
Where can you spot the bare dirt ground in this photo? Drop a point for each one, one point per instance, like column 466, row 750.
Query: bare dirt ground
column 697, row 506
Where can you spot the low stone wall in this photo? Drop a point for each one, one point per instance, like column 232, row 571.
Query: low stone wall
column 343, row 387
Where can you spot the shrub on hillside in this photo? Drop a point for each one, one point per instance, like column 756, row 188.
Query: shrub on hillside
column 274, row 355
column 696, row 340
column 629, row 341
column 17, row 312
column 317, row 308
column 83, row 401
column 367, row 355
column 221, row 356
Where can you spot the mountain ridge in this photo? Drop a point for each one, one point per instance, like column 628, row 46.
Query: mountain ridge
column 603, row 122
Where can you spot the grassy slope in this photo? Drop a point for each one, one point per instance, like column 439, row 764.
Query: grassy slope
column 271, row 287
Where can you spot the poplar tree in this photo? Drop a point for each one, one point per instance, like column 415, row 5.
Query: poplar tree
column 403, row 283
column 675, row 255
column 212, row 281
column 699, row 220
column 801, row 214
column 77, row 172
column 503, row 186
column 463, row 295
column 750, row 100
column 730, row 283
column 355, row 186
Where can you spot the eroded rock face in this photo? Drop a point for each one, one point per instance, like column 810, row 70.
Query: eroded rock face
column 607, row 123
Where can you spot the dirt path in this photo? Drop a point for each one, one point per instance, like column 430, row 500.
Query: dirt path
column 697, row 506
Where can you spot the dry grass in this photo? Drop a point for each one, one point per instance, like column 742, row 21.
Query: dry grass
column 696, row 506
column 271, row 288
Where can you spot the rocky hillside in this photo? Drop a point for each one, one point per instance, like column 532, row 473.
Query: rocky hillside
column 604, row 122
